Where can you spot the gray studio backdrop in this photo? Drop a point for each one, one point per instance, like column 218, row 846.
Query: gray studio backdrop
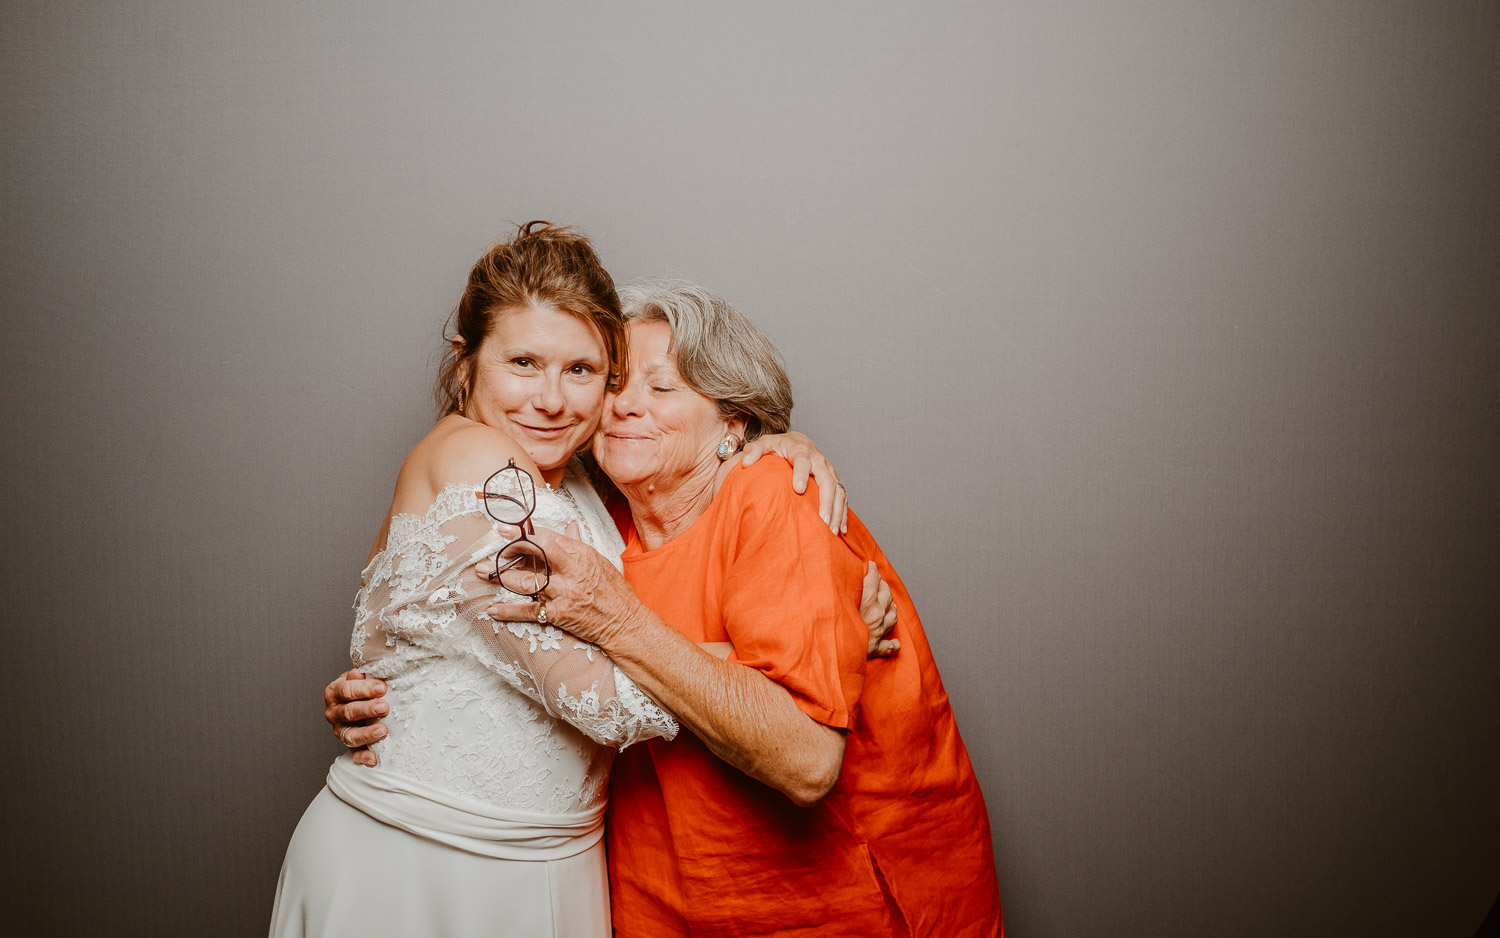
column 1157, row 341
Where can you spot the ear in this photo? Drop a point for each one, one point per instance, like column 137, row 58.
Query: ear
column 735, row 427
column 458, row 345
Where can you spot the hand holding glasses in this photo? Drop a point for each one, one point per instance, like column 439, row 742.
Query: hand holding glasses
column 521, row 566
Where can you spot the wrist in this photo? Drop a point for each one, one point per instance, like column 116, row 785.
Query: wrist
column 636, row 622
column 627, row 631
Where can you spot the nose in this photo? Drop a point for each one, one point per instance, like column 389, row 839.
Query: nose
column 549, row 397
column 626, row 402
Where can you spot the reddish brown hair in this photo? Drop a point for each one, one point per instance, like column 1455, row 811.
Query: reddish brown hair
column 544, row 264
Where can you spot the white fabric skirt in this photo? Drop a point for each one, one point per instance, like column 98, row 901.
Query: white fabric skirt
column 347, row 874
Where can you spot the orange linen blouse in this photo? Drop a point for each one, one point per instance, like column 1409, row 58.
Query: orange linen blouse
column 902, row 843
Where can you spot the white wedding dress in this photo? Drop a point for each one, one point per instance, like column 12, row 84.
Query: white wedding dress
column 486, row 813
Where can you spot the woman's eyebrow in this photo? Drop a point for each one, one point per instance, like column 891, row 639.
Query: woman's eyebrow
column 659, row 366
column 521, row 351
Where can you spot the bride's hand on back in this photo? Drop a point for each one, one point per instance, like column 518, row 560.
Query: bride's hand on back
column 803, row 454
column 878, row 610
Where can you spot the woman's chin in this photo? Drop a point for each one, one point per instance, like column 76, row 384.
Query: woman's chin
column 547, row 456
column 622, row 471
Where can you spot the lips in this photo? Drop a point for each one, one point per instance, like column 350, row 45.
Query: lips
column 546, row 433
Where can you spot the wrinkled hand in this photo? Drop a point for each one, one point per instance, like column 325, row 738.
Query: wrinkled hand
column 586, row 595
column 803, row 454
column 878, row 610
column 352, row 704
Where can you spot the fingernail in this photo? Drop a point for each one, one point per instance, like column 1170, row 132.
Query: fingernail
column 379, row 687
column 380, row 709
column 379, row 732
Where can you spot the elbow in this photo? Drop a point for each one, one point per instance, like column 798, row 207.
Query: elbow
column 808, row 794
column 816, row 776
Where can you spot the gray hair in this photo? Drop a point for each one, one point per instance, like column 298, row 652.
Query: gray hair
column 720, row 353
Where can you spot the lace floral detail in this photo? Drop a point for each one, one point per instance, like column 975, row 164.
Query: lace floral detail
column 420, row 560
column 545, row 637
column 511, row 714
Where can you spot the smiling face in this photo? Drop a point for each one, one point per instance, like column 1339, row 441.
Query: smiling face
column 540, row 376
column 656, row 429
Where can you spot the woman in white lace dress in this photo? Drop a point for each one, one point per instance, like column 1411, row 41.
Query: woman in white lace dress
column 485, row 814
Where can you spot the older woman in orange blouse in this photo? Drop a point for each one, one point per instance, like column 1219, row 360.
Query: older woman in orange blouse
column 861, row 815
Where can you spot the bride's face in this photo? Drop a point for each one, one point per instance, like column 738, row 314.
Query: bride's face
column 540, row 377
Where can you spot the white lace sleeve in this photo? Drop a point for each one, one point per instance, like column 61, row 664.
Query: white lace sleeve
column 424, row 590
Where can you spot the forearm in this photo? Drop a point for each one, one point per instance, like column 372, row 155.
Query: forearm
column 742, row 716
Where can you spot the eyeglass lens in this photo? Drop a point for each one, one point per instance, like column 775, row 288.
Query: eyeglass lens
column 510, row 498
column 510, row 495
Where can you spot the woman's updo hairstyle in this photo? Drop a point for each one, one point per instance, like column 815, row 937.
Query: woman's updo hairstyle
column 544, row 264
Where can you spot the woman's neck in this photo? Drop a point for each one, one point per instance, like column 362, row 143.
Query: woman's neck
column 662, row 510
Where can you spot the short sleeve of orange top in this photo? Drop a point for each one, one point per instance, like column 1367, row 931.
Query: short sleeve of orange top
column 697, row 847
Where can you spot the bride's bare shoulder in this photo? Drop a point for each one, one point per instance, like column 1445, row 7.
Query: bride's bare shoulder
column 457, row 450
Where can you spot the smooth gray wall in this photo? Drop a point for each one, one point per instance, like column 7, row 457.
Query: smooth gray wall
column 1157, row 341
